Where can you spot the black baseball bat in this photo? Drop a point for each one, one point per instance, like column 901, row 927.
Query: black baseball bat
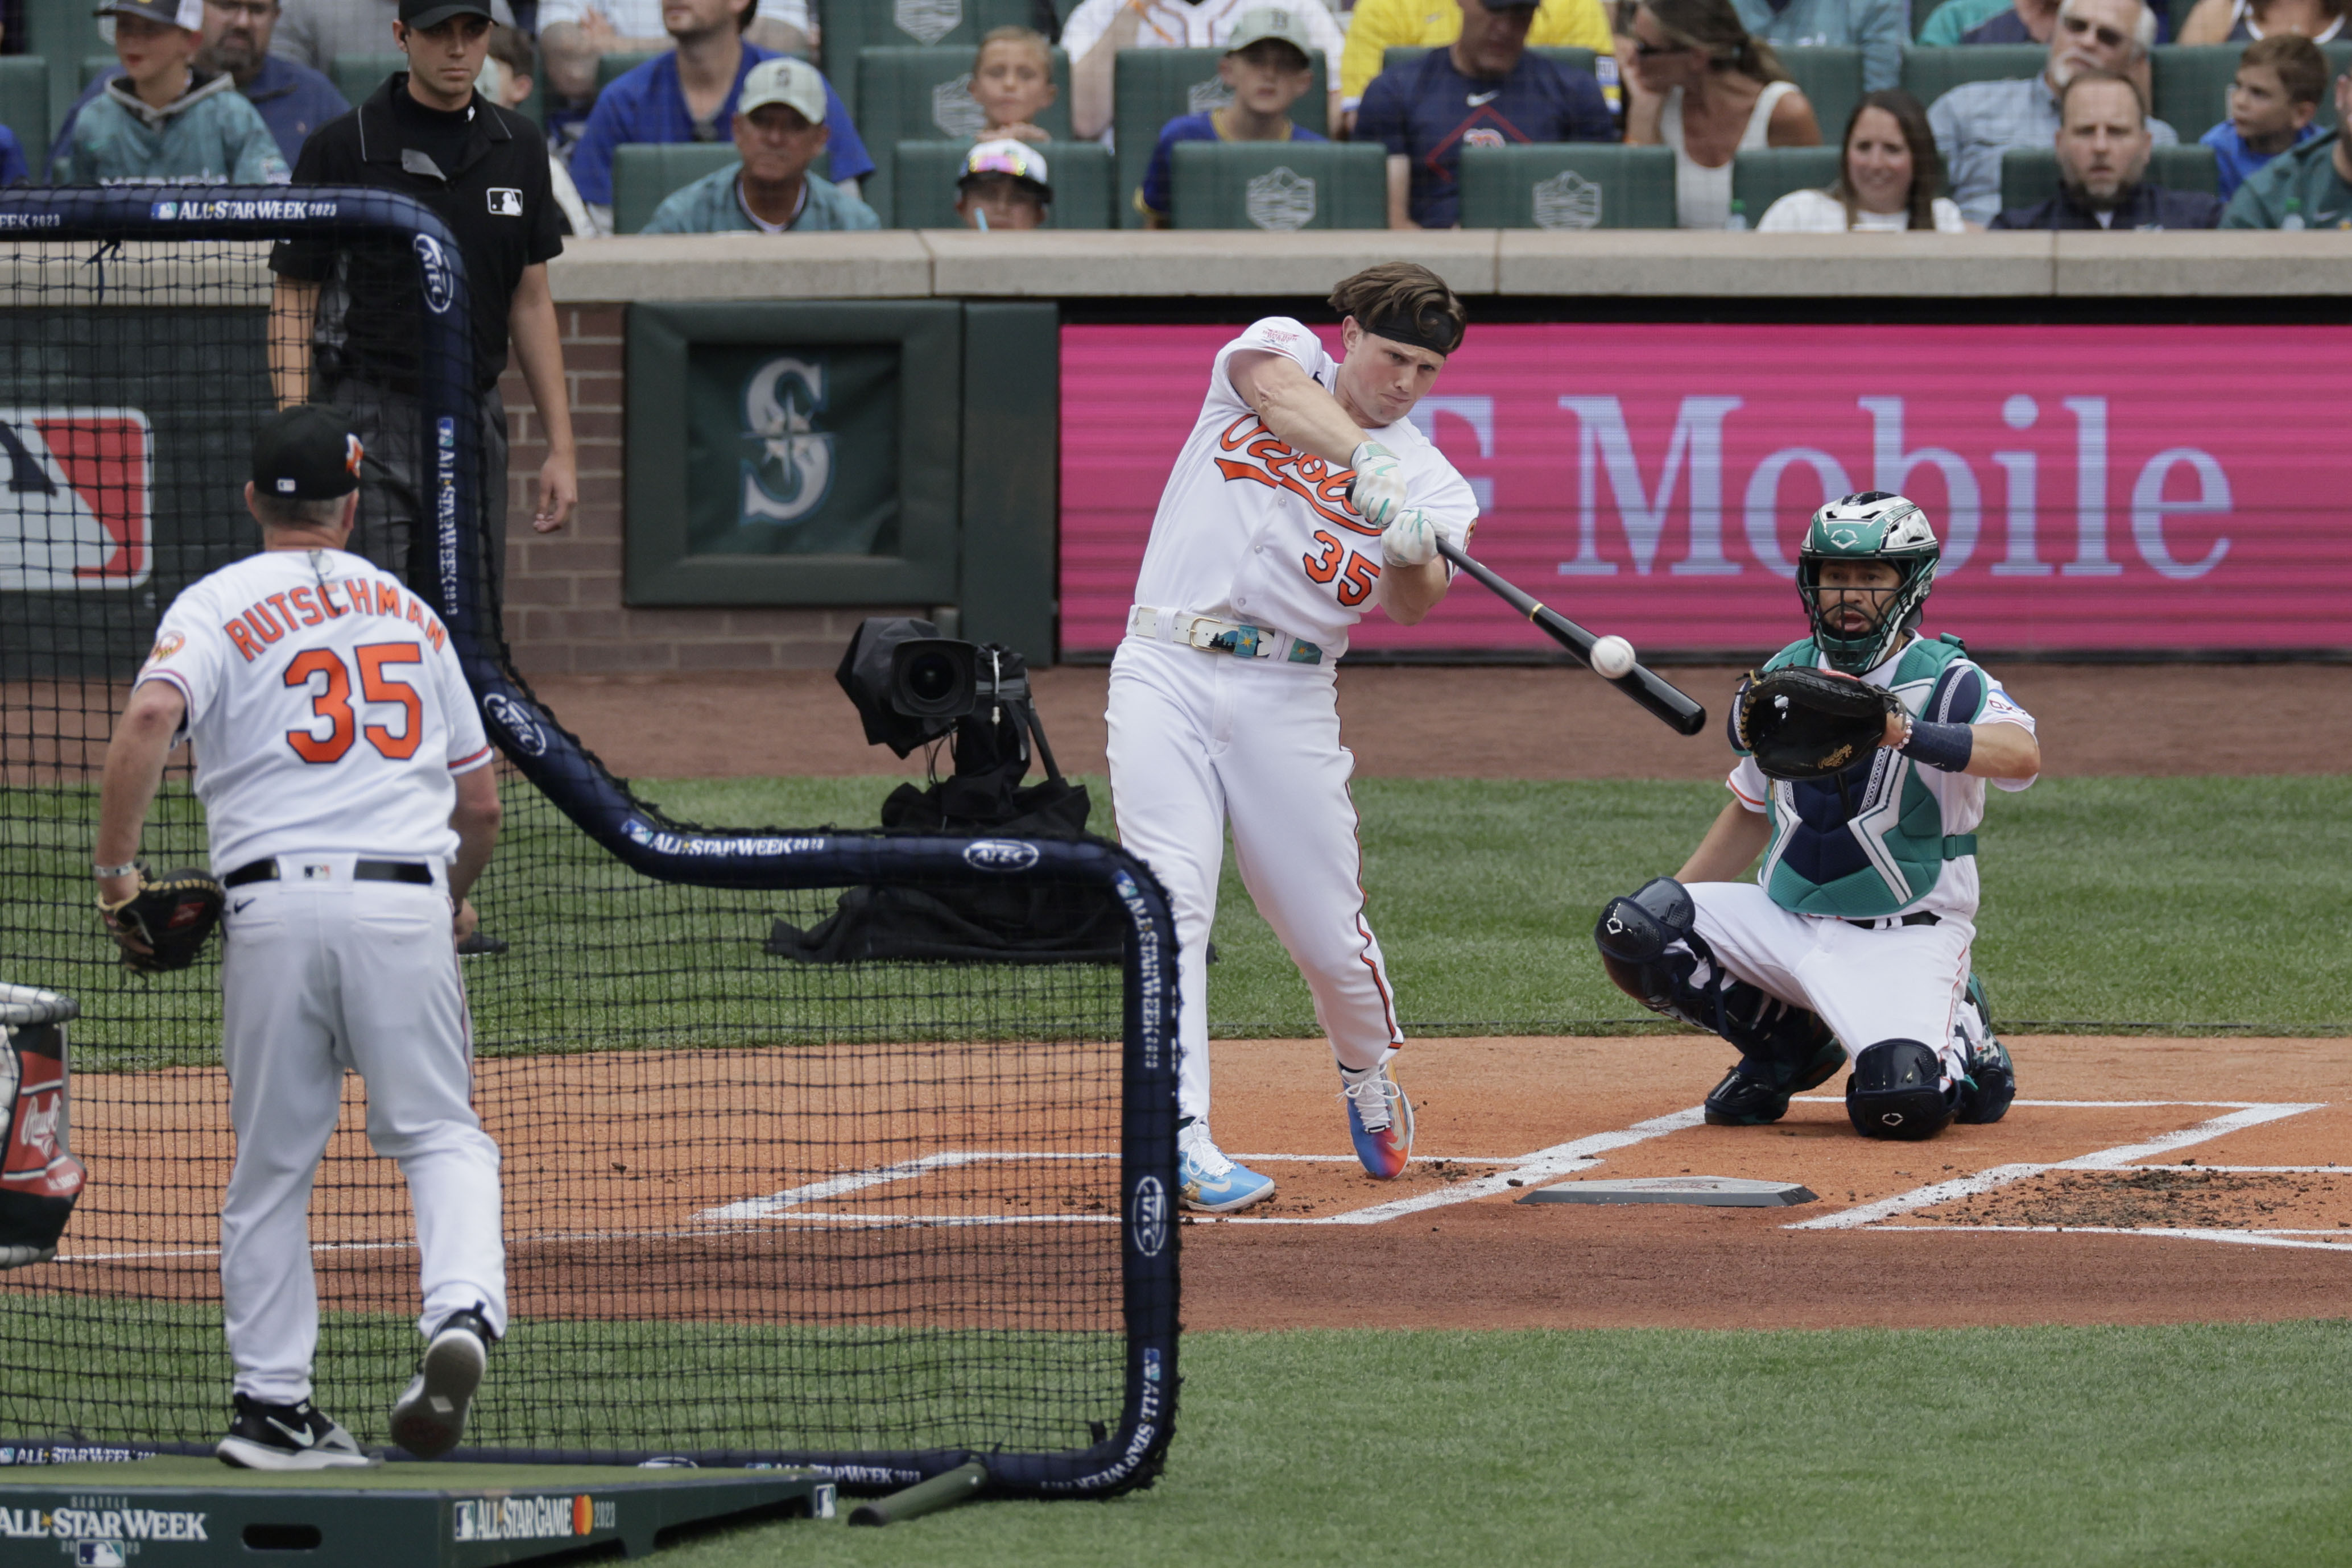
column 1642, row 683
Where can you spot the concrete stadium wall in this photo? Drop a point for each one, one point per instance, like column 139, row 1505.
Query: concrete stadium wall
column 566, row 615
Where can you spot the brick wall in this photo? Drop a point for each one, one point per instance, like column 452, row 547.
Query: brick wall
column 563, row 609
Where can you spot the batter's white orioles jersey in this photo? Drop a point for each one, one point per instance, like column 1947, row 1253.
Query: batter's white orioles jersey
column 1250, row 530
column 1198, row 25
column 326, row 705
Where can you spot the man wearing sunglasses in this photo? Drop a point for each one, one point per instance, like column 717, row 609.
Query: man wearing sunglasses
column 1977, row 121
column 293, row 100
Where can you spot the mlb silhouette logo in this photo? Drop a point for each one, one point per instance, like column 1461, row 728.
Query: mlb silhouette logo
column 506, row 202
column 77, row 498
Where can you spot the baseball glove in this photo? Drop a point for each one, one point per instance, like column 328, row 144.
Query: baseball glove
column 1810, row 724
column 162, row 927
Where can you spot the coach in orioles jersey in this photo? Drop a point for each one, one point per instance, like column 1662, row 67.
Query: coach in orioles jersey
column 1302, row 498
column 1857, row 931
column 350, row 802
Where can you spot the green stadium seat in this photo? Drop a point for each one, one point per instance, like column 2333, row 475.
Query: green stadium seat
column 609, row 69
column 1279, row 185
column 2193, row 86
column 25, row 103
column 92, row 67
column 1152, row 87
column 850, row 28
column 1929, row 74
column 926, row 181
column 1397, row 55
column 1763, row 177
column 2339, row 61
column 2030, row 175
column 1568, row 185
column 60, row 32
column 357, row 75
column 644, row 173
column 1829, row 75
column 1920, row 11
column 922, row 95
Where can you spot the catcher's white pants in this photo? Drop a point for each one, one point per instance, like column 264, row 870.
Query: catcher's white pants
column 321, row 974
column 1904, row 982
column 1198, row 738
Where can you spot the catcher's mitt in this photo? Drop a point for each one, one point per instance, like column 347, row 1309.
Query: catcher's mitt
column 169, row 917
column 1809, row 724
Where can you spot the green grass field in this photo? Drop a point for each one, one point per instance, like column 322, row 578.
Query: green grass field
column 2172, row 1448
column 2107, row 901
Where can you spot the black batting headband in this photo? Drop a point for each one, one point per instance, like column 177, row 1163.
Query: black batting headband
column 1433, row 329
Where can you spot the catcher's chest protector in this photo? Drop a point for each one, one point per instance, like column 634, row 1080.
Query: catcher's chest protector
column 1873, row 839
column 39, row 1180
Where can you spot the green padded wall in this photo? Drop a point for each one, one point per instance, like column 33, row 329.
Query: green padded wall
column 920, row 95
column 925, row 184
column 1279, row 185
column 1152, row 87
column 1568, row 185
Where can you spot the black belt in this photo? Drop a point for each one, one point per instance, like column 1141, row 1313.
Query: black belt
column 1916, row 917
column 364, row 871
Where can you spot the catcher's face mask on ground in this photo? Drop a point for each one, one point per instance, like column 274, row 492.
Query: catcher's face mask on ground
column 1868, row 563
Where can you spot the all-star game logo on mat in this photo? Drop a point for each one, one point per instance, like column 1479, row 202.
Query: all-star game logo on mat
column 77, row 505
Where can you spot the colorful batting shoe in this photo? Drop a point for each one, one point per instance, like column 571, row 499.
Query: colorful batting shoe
column 297, row 1437
column 1379, row 1120
column 1208, row 1182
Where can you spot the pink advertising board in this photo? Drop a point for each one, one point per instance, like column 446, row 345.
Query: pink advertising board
column 2096, row 488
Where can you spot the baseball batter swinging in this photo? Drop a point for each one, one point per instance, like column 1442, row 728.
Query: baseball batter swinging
column 1302, row 498
column 350, row 804
column 1855, row 933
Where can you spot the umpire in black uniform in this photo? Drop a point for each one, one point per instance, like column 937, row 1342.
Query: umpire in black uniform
column 426, row 133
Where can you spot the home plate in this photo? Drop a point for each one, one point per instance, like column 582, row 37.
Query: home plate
column 1711, row 1192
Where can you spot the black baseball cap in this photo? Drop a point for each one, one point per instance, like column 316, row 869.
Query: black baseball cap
column 433, row 13
column 305, row 453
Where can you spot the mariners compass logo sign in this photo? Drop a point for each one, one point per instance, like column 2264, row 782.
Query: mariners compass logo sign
column 77, row 498
column 1567, row 201
column 1281, row 199
column 793, row 472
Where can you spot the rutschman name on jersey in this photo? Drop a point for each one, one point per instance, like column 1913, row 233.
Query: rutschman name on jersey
column 326, row 707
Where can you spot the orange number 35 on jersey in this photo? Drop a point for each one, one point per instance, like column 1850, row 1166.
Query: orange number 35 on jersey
column 332, row 702
column 1357, row 576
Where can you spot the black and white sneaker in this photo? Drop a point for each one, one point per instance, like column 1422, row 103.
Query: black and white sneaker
column 296, row 1436
column 430, row 1417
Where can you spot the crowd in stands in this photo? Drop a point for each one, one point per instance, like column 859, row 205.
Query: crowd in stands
column 230, row 91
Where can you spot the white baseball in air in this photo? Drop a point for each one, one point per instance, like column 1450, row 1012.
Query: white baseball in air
column 1613, row 657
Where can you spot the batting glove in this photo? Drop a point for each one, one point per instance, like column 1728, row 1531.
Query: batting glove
column 1376, row 492
column 1411, row 541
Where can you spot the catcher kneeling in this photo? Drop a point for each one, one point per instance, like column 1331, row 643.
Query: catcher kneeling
column 1863, row 752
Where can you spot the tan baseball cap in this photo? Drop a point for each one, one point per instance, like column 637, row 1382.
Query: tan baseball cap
column 1260, row 23
column 786, row 81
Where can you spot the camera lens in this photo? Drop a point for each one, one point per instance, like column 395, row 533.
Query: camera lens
column 931, row 676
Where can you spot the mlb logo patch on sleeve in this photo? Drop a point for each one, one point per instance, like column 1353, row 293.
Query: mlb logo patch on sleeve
column 506, row 202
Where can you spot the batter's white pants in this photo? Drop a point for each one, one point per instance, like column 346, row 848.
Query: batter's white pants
column 320, row 975
column 1905, row 982
column 1198, row 738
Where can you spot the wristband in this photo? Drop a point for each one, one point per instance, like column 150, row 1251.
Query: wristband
column 130, row 870
column 1944, row 746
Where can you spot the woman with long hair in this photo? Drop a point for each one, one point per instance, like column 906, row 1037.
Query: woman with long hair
column 1887, row 179
column 1709, row 90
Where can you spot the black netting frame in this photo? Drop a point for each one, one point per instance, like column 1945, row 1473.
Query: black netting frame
column 875, row 1218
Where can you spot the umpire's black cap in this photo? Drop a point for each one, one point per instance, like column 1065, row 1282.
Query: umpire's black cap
column 305, row 453
column 433, row 13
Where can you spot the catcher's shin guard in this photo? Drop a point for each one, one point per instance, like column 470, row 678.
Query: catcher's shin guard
column 39, row 1179
column 1649, row 945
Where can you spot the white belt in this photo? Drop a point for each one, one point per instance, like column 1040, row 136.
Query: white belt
column 1212, row 635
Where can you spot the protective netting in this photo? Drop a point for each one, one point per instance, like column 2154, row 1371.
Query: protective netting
column 875, row 1216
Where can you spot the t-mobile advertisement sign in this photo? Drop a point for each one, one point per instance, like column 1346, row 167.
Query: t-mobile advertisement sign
column 2095, row 487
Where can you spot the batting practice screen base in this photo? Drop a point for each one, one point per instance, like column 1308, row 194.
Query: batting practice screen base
column 873, row 1218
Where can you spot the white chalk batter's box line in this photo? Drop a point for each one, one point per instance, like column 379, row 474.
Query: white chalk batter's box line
column 794, row 1205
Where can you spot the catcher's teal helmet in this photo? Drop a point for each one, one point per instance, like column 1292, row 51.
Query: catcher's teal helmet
column 1872, row 526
